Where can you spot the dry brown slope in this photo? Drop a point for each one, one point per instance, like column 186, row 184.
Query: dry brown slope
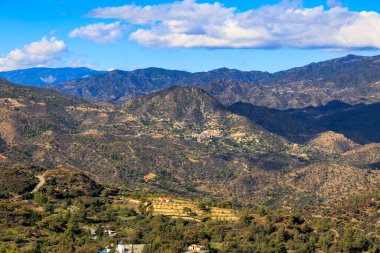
column 363, row 156
column 333, row 181
column 332, row 143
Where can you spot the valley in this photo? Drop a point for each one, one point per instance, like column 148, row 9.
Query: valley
column 190, row 126
column 160, row 133
column 177, row 167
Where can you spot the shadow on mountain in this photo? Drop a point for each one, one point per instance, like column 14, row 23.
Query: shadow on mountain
column 361, row 123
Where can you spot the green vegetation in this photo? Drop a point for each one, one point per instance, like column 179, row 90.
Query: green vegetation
column 78, row 169
column 17, row 180
column 47, row 223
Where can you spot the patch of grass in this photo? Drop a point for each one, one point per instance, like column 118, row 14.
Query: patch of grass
column 14, row 232
column 216, row 245
column 125, row 218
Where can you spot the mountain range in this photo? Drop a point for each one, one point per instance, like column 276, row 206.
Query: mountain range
column 358, row 122
column 46, row 76
column 351, row 79
column 195, row 145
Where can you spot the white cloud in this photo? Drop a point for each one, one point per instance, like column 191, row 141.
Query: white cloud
column 334, row 3
column 35, row 54
column 288, row 24
column 99, row 32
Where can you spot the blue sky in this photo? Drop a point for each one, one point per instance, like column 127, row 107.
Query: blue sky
column 192, row 35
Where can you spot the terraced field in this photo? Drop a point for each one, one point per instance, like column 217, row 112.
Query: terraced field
column 190, row 210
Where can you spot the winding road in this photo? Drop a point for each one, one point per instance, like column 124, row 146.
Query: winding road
column 40, row 184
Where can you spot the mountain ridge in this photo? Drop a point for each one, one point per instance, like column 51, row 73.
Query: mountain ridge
column 193, row 143
column 357, row 122
column 42, row 76
column 351, row 79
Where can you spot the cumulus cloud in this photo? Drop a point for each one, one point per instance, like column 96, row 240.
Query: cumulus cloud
column 99, row 32
column 288, row 24
column 35, row 54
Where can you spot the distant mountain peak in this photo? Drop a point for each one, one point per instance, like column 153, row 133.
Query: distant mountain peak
column 47, row 76
column 351, row 57
column 224, row 69
column 115, row 72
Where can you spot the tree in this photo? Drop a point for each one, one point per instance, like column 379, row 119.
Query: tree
column 35, row 248
column 295, row 219
column 225, row 204
column 246, row 219
column 50, row 190
column 187, row 210
column 65, row 245
column 99, row 231
column 280, row 248
column 5, row 195
column 49, row 208
column 68, row 238
column 12, row 248
column 39, row 198
column 204, row 207
column 54, row 223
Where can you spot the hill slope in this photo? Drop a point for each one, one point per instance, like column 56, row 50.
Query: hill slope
column 332, row 143
column 324, row 180
column 118, row 144
column 191, row 143
column 351, row 79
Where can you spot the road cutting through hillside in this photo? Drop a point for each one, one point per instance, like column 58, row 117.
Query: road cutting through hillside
column 41, row 183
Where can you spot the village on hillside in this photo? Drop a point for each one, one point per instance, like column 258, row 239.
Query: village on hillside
column 139, row 248
column 172, row 207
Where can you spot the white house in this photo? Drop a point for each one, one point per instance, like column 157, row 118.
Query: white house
column 196, row 247
column 111, row 233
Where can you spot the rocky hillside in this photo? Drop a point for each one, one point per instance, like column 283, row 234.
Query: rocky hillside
column 332, row 143
column 46, row 76
column 119, row 145
column 367, row 156
column 69, row 183
column 326, row 180
column 191, row 143
column 176, row 104
column 351, row 79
